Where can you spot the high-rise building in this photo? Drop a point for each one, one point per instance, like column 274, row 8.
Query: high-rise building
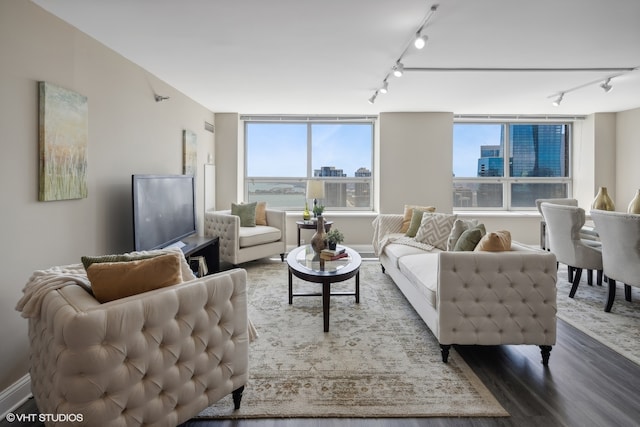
column 538, row 150
column 335, row 193
column 362, row 192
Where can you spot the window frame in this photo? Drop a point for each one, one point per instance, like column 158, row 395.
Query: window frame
column 310, row 121
column 507, row 181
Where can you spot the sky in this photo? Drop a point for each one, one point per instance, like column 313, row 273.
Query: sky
column 467, row 139
column 280, row 149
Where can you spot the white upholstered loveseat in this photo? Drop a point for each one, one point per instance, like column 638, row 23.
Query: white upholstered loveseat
column 154, row 359
column 483, row 298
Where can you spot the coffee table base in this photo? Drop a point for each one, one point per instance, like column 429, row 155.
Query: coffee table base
column 326, row 294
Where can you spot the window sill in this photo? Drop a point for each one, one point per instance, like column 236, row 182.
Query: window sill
column 339, row 214
column 498, row 214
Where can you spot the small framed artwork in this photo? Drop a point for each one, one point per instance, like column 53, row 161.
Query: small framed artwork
column 190, row 144
column 63, row 137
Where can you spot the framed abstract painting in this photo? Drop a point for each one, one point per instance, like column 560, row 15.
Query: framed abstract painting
column 63, row 137
column 190, row 144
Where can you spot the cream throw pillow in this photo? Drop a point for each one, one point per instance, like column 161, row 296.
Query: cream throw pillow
column 435, row 229
column 115, row 280
column 408, row 214
column 261, row 213
column 497, row 241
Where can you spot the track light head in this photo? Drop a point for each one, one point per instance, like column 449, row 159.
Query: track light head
column 606, row 86
column 385, row 87
column 160, row 98
column 373, row 98
column 558, row 100
column 420, row 41
column 398, row 69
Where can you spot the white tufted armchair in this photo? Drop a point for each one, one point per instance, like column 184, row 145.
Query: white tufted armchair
column 241, row 244
column 153, row 359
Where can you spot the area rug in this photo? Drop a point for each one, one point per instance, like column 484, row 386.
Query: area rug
column 618, row 329
column 377, row 360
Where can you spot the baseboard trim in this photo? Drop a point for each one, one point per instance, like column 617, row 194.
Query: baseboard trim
column 15, row 395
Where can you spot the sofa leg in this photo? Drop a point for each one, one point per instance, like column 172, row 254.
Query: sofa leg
column 444, row 349
column 546, row 352
column 237, row 397
column 282, row 257
column 383, row 269
column 627, row 293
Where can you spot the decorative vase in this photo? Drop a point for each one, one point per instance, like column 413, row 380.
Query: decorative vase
column 306, row 215
column 603, row 201
column 634, row 206
column 319, row 239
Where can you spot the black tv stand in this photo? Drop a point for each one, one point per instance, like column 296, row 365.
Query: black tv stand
column 208, row 247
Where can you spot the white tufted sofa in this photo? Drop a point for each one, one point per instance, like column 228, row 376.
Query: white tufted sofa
column 483, row 298
column 153, row 359
column 242, row 244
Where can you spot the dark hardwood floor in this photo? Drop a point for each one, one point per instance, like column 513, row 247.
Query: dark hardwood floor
column 585, row 384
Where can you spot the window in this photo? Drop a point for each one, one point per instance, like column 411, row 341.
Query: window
column 537, row 164
column 282, row 156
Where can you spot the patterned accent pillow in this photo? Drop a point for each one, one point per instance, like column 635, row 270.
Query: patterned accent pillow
column 246, row 212
column 435, row 229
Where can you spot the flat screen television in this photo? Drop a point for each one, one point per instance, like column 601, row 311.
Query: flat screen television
column 164, row 210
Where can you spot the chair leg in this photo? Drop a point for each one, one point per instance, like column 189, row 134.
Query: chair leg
column 576, row 281
column 590, row 277
column 569, row 273
column 282, row 257
column 612, row 295
column 627, row 293
column 599, row 279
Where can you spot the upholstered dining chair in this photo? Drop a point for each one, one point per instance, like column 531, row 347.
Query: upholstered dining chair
column 587, row 234
column 620, row 237
column 564, row 224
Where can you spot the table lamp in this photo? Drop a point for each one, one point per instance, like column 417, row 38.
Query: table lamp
column 315, row 191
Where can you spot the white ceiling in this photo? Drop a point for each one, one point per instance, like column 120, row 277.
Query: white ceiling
column 330, row 56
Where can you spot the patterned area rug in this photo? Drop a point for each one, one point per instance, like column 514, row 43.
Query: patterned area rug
column 618, row 329
column 377, row 360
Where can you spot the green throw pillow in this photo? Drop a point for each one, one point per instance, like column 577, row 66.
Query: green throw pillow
column 469, row 239
column 416, row 220
column 88, row 260
column 246, row 212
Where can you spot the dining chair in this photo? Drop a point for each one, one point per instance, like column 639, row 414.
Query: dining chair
column 620, row 237
column 586, row 233
column 564, row 224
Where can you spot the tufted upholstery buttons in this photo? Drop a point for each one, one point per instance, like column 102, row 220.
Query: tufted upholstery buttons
column 131, row 361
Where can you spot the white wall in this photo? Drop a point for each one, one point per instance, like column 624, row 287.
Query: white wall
column 415, row 148
column 128, row 133
column 627, row 170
